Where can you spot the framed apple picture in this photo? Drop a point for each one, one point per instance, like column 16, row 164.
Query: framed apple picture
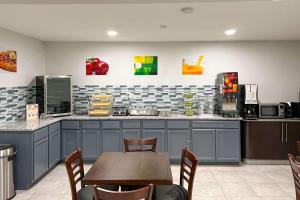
column 96, row 66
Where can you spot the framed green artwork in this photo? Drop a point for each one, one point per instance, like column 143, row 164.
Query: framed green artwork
column 145, row 65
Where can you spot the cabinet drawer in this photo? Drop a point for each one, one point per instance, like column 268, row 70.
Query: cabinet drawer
column 70, row 124
column 54, row 127
column 40, row 134
column 90, row 124
column 131, row 124
column 178, row 124
column 216, row 124
column 40, row 156
column 154, row 124
column 111, row 124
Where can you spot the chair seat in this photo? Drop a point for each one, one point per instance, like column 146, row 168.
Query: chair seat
column 110, row 187
column 169, row 192
column 88, row 192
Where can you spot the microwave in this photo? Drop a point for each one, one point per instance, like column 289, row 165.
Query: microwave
column 271, row 111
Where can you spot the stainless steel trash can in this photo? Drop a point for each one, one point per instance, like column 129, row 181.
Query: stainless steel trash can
column 7, row 187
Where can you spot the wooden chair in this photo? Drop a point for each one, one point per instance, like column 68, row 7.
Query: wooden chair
column 298, row 146
column 189, row 163
column 141, row 143
column 143, row 193
column 296, row 174
column 75, row 170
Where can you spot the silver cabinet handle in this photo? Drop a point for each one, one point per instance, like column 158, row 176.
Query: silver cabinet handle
column 286, row 132
column 281, row 132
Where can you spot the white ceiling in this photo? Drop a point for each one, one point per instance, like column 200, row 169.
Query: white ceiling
column 73, row 21
column 111, row 1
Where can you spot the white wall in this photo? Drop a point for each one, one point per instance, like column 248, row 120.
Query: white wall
column 274, row 66
column 30, row 58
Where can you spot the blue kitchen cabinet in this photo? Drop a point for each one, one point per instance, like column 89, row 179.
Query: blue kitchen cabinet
column 23, row 162
column 54, row 148
column 228, row 145
column 70, row 141
column 90, row 124
column 70, row 135
column 54, row 144
column 155, row 128
column 177, row 140
column 131, row 124
column 217, row 141
column 204, row 144
column 110, row 140
column 40, row 158
column 131, row 134
column 90, row 140
column 178, row 134
column 111, row 135
column 38, row 151
column 70, row 125
column 159, row 134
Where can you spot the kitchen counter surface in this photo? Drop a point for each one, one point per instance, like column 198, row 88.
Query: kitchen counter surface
column 273, row 120
column 23, row 126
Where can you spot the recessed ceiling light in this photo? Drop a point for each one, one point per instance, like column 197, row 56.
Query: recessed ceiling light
column 230, row 32
column 112, row 33
column 187, row 10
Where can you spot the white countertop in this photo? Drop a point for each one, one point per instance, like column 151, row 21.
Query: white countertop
column 23, row 125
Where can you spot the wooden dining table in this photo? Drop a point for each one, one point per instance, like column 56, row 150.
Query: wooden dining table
column 132, row 168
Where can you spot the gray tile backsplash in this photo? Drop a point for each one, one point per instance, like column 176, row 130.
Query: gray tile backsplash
column 164, row 96
column 13, row 100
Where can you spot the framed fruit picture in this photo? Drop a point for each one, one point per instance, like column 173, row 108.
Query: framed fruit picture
column 95, row 66
column 8, row 60
column 145, row 65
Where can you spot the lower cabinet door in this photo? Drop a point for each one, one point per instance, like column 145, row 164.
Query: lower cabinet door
column 291, row 137
column 90, row 144
column 159, row 134
column 40, row 158
column 177, row 140
column 204, row 144
column 130, row 134
column 110, row 140
column 228, row 145
column 54, row 148
column 70, row 141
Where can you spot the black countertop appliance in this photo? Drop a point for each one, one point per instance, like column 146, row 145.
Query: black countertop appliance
column 295, row 109
column 248, row 102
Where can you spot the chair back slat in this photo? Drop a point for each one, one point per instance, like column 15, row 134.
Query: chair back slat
column 296, row 174
column 77, row 172
column 186, row 171
column 140, row 144
column 74, row 166
column 144, row 193
column 298, row 146
column 189, row 163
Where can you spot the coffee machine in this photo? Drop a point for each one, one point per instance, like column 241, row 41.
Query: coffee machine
column 248, row 102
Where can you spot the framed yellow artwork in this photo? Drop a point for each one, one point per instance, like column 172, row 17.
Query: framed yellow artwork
column 193, row 66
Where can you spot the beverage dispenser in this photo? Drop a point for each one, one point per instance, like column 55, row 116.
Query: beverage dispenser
column 227, row 93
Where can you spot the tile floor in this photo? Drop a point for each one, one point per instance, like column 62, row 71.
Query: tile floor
column 245, row 182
